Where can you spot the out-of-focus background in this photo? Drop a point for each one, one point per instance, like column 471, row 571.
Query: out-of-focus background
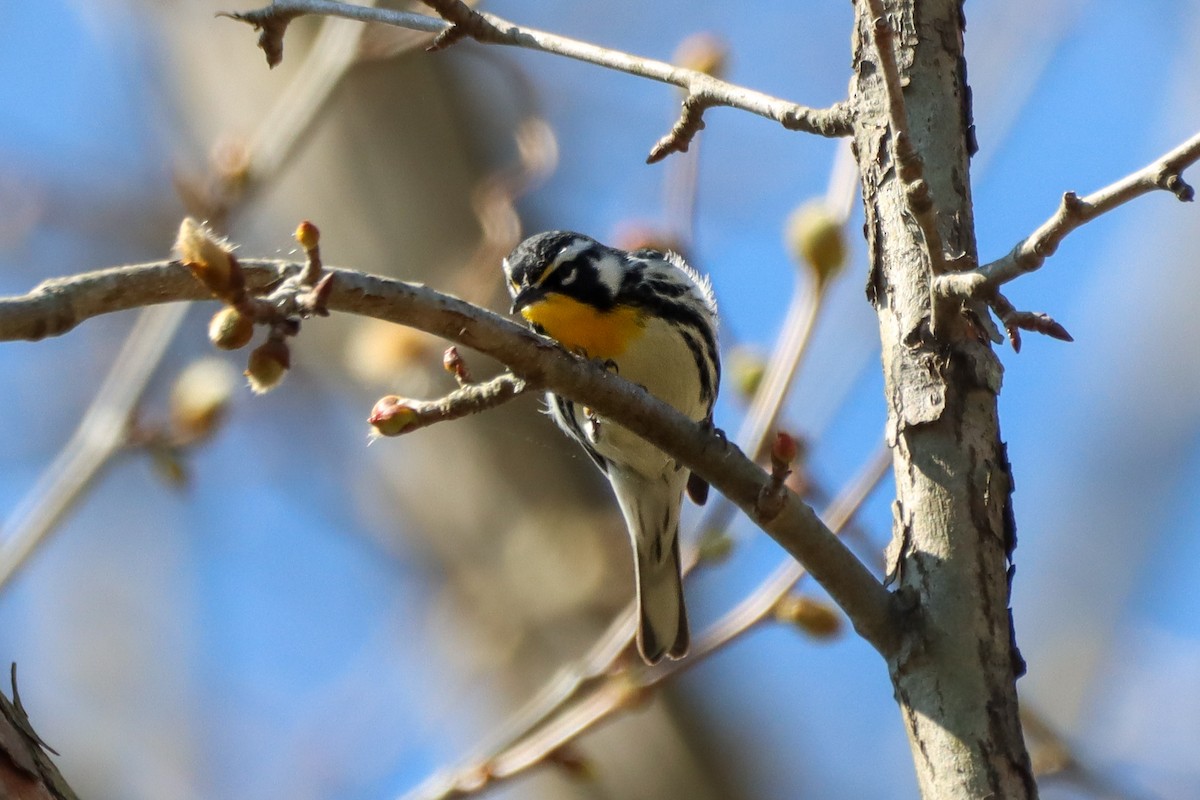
column 310, row 617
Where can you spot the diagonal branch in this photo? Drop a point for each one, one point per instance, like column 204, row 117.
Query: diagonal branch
column 57, row 306
column 460, row 21
column 1165, row 173
column 1029, row 254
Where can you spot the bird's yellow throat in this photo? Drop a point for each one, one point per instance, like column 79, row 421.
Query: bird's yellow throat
column 581, row 327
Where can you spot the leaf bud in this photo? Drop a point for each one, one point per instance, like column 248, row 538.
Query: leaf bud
column 209, row 257
column 200, row 397
column 815, row 617
column 392, row 416
column 307, row 235
column 230, row 329
column 269, row 363
column 817, row 240
column 747, row 368
column 784, row 450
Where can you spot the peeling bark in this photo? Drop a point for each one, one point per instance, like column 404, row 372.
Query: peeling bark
column 953, row 536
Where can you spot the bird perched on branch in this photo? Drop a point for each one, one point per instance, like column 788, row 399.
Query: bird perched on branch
column 653, row 319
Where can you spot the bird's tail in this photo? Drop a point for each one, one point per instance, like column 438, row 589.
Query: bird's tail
column 651, row 509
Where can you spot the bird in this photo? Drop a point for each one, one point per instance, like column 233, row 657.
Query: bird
column 652, row 319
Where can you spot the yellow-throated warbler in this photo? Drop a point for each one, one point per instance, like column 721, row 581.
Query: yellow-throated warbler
column 654, row 318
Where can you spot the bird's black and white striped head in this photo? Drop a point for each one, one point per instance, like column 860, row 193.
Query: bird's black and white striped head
column 567, row 263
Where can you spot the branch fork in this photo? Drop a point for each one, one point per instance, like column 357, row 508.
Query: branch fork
column 1073, row 212
column 465, row 22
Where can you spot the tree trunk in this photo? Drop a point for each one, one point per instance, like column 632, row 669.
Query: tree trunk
column 953, row 535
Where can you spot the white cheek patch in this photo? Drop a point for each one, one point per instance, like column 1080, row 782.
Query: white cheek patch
column 610, row 271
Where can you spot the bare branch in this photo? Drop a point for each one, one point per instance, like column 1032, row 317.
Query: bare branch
column 272, row 27
column 394, row 415
column 1164, row 173
column 57, row 306
column 460, row 21
column 691, row 122
column 465, row 22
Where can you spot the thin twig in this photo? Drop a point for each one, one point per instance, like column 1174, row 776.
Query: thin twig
column 410, row 415
column 703, row 91
column 765, row 409
column 792, row 344
column 285, row 125
column 1165, row 173
column 59, row 305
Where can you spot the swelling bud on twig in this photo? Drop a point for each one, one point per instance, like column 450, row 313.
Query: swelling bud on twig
column 307, row 235
column 230, row 329
column 773, row 495
column 784, row 451
column 269, row 363
column 391, row 416
column 200, row 397
column 817, row 240
column 815, row 618
column 453, row 362
column 210, row 258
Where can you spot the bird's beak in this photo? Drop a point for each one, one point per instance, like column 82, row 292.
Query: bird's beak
column 526, row 297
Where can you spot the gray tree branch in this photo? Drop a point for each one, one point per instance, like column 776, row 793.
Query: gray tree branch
column 1029, row 254
column 703, row 91
column 57, row 306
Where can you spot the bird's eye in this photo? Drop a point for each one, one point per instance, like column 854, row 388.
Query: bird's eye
column 569, row 275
